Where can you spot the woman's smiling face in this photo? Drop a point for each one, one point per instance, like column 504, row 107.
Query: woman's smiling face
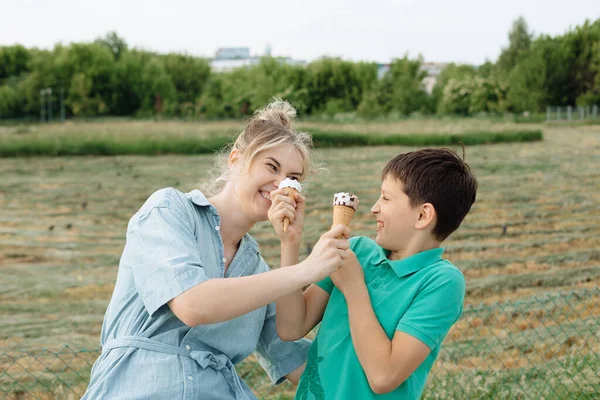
column 267, row 170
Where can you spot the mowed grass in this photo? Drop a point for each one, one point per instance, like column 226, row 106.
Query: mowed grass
column 139, row 129
column 534, row 229
column 123, row 137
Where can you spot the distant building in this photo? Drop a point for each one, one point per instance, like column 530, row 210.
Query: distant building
column 232, row 53
column 382, row 69
column 229, row 58
column 434, row 69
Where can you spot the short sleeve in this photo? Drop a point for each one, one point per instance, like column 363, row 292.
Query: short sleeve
column 163, row 252
column 326, row 284
column 279, row 358
column 435, row 308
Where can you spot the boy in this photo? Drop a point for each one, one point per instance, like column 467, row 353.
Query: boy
column 386, row 311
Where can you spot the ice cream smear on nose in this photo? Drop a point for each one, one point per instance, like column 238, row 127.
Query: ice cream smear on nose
column 291, row 186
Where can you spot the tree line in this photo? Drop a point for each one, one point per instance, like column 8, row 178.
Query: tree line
column 107, row 78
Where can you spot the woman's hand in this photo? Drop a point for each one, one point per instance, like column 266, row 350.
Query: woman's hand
column 291, row 207
column 328, row 254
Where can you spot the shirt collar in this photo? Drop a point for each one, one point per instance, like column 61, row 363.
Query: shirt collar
column 411, row 264
column 198, row 198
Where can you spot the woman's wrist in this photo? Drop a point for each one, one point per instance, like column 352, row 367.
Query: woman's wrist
column 306, row 273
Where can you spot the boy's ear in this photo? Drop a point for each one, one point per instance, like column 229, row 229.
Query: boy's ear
column 426, row 217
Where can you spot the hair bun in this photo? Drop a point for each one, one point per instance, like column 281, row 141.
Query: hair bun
column 279, row 112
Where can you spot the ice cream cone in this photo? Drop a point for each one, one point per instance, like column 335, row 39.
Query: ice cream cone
column 290, row 192
column 344, row 207
column 291, row 187
column 342, row 215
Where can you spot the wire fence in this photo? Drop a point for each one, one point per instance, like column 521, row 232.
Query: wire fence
column 541, row 347
column 568, row 113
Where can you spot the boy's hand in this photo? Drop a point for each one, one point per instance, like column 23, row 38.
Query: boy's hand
column 350, row 275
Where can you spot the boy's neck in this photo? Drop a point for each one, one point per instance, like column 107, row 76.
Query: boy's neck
column 414, row 247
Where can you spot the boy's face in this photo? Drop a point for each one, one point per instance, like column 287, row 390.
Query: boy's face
column 396, row 219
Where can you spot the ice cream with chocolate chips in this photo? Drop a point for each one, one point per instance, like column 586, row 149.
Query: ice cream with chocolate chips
column 344, row 207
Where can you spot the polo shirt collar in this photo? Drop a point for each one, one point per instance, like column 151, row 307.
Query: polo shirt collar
column 411, row 264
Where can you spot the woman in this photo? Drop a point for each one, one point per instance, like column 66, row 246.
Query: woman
column 193, row 295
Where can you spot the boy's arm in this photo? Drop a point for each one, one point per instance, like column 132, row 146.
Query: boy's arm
column 388, row 363
column 299, row 312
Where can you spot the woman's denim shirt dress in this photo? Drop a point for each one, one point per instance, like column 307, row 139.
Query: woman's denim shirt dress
column 173, row 243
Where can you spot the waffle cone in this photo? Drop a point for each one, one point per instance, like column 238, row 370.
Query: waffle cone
column 342, row 215
column 289, row 191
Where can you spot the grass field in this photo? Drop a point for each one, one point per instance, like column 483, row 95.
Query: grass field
column 143, row 128
column 125, row 137
column 535, row 228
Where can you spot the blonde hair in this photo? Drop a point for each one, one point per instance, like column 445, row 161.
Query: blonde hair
column 270, row 127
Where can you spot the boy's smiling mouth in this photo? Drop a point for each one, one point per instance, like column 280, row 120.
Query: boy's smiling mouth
column 379, row 225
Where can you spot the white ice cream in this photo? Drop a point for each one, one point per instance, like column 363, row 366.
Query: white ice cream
column 287, row 182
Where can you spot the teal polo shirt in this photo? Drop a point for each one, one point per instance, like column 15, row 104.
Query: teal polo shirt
column 421, row 295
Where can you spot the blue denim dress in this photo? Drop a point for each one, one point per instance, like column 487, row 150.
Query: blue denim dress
column 173, row 243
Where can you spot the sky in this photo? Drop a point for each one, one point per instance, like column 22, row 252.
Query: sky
column 463, row 31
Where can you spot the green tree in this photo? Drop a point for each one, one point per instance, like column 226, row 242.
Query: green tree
column 541, row 77
column 519, row 43
column 399, row 90
column 10, row 101
column 592, row 95
column 87, row 70
column 405, row 78
column 457, row 72
column 188, row 74
column 116, row 44
column 14, row 61
column 584, row 47
column 335, row 85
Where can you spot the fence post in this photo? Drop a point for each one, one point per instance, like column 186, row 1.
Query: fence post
column 558, row 116
column 62, row 105
column 547, row 113
column 595, row 111
column 581, row 113
column 569, row 113
column 49, row 94
column 42, row 105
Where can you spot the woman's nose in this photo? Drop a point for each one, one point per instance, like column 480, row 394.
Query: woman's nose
column 277, row 181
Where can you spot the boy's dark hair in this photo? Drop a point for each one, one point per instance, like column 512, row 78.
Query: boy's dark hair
column 439, row 177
